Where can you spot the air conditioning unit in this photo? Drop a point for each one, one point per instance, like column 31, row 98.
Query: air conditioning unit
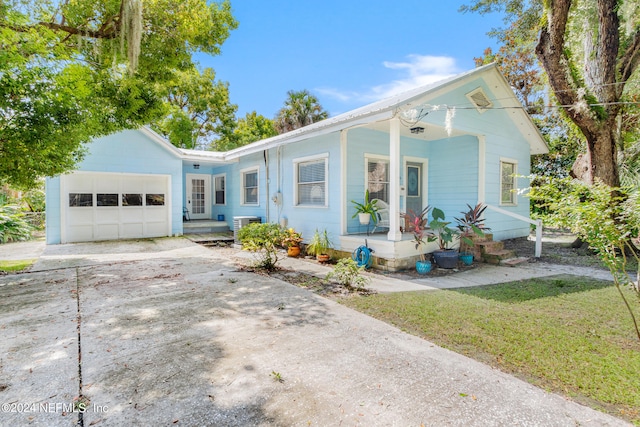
column 241, row 221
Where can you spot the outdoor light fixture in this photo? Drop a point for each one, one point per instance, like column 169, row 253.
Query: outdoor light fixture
column 196, row 166
column 417, row 129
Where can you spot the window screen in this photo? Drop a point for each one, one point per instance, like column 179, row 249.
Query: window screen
column 378, row 179
column 507, row 183
column 250, row 188
column 312, row 183
column 219, row 190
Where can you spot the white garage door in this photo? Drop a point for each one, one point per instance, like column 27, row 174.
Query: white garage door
column 107, row 206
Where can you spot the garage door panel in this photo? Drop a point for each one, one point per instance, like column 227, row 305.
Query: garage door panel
column 107, row 215
column 130, row 215
column 155, row 229
column 131, row 231
column 80, row 216
column 80, row 233
column 155, row 215
column 105, row 231
column 109, row 206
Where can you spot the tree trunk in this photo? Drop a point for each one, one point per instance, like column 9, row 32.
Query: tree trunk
column 602, row 156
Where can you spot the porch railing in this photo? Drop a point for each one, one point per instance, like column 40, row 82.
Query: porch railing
column 537, row 223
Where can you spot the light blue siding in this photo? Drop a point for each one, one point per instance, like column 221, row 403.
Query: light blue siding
column 502, row 140
column 52, row 200
column 453, row 174
column 306, row 219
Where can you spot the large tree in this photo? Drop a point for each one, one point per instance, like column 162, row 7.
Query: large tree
column 198, row 109
column 253, row 127
column 74, row 70
column 301, row 108
column 590, row 50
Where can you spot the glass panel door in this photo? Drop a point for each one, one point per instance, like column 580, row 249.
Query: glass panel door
column 414, row 187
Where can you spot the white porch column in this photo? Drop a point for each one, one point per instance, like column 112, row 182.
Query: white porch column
column 482, row 166
column 343, row 182
column 394, row 180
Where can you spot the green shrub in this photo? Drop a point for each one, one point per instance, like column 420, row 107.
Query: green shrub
column 13, row 226
column 265, row 240
column 347, row 273
column 606, row 218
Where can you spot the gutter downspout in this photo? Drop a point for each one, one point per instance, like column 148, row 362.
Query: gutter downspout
column 265, row 154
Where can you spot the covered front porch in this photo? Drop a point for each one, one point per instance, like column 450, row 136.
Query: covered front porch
column 388, row 254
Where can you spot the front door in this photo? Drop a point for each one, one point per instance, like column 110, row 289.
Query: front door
column 199, row 196
column 414, row 187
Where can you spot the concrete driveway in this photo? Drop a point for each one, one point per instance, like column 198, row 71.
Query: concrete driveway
column 165, row 332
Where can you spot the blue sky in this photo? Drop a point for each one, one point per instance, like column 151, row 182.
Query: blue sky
column 346, row 52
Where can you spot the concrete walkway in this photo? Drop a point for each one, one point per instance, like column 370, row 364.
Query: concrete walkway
column 166, row 332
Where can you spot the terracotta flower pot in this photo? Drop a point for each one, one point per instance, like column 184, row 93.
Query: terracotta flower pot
column 323, row 257
column 293, row 251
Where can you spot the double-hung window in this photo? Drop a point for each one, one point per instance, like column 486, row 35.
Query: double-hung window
column 378, row 179
column 249, row 186
column 311, row 181
column 508, row 171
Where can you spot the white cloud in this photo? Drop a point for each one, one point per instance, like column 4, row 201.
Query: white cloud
column 418, row 70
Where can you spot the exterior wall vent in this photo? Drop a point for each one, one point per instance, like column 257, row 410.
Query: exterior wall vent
column 479, row 100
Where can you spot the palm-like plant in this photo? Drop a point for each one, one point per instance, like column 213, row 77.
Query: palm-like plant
column 300, row 109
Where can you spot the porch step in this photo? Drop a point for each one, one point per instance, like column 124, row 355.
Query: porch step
column 512, row 262
column 495, row 257
column 204, row 226
column 490, row 246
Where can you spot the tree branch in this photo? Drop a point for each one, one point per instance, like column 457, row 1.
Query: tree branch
column 551, row 53
column 630, row 59
column 102, row 33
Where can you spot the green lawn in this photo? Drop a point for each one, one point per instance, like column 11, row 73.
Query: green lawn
column 567, row 334
column 17, row 265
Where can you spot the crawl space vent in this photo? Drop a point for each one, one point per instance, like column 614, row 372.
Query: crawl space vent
column 479, row 100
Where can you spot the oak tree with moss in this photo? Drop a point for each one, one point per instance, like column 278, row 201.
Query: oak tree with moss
column 72, row 71
column 590, row 50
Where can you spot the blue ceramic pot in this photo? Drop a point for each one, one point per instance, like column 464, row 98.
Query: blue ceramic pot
column 466, row 258
column 423, row 267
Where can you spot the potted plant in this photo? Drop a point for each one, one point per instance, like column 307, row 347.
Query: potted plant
column 421, row 235
column 366, row 211
column 291, row 241
column 472, row 227
column 446, row 257
column 319, row 246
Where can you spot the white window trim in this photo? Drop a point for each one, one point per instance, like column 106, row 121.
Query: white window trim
column 367, row 158
column 515, row 181
column 296, row 161
column 223, row 175
column 244, row 171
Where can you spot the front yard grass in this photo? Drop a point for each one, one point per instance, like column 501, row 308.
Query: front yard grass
column 567, row 334
column 18, row 265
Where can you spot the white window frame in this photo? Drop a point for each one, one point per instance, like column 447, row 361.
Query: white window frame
column 243, row 173
column 215, row 177
column 315, row 158
column 375, row 157
column 514, row 192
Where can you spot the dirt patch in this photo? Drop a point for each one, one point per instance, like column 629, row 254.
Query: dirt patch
column 315, row 284
column 556, row 249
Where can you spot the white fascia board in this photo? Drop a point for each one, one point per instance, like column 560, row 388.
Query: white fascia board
column 520, row 117
column 203, row 156
column 162, row 142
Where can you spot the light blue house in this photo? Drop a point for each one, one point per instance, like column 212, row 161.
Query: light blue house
column 460, row 141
